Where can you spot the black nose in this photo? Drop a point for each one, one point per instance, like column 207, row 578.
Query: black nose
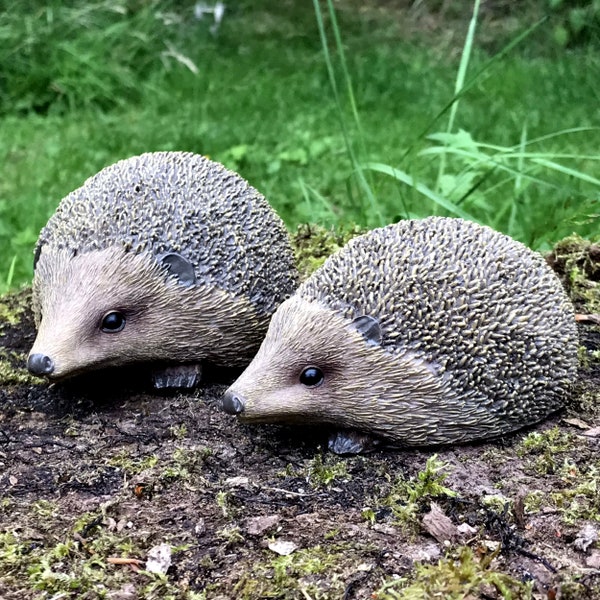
column 40, row 364
column 232, row 404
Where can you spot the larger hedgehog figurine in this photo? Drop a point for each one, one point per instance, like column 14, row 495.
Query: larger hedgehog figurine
column 166, row 257
column 425, row 332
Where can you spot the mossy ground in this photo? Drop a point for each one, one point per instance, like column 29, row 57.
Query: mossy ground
column 101, row 471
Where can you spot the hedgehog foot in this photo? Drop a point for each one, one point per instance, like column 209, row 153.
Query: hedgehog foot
column 351, row 442
column 177, row 376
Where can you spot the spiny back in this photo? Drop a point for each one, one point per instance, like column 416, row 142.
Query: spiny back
column 485, row 311
column 181, row 202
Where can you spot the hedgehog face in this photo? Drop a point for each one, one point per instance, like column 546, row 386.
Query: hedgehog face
column 316, row 366
column 297, row 369
column 108, row 308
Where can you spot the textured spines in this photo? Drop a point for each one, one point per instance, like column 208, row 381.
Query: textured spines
column 482, row 307
column 181, row 202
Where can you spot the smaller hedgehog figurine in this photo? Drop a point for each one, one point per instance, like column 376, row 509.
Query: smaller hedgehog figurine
column 165, row 258
column 426, row 332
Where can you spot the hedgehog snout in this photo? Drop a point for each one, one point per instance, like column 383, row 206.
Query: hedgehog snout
column 232, row 403
column 40, row 364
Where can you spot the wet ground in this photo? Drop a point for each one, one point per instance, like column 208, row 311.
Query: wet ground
column 98, row 475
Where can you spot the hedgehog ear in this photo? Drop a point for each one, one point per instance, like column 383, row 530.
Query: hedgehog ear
column 369, row 328
column 179, row 267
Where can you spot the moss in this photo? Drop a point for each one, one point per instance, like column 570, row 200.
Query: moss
column 132, row 464
column 64, row 568
column 587, row 403
column 225, row 503
column 588, row 352
column 580, row 498
column 409, row 497
column 321, row 471
column 313, row 244
column 231, row 535
column 161, row 589
column 307, row 572
column 576, row 498
column 12, row 307
column 533, row 502
column 75, row 565
column 577, row 263
column 179, row 431
column 44, row 509
column 185, row 463
column 369, row 515
column 584, row 357
column 553, row 440
column 545, row 448
column 13, row 371
column 496, row 502
column 459, row 575
column 577, row 590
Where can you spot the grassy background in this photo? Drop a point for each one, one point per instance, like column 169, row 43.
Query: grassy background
column 85, row 84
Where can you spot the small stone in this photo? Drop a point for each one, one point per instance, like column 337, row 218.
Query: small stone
column 586, row 537
column 127, row 592
column 200, row 528
column 466, row 530
column 423, row 552
column 593, row 560
column 159, row 559
column 260, row 525
column 240, row 481
column 579, row 423
column 282, row 547
column 491, row 545
column 384, row 528
column 591, row 432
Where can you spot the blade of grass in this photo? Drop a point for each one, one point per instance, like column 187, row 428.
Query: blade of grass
column 512, row 218
column 470, row 83
column 11, row 272
column 307, row 191
column 347, row 80
column 439, row 137
column 357, row 168
column 521, row 158
column 405, row 178
column 549, row 164
column 497, row 160
column 458, row 86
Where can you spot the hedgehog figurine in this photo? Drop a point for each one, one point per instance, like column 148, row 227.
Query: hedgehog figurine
column 164, row 258
column 433, row 331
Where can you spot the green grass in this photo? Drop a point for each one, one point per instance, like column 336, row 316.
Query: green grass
column 83, row 87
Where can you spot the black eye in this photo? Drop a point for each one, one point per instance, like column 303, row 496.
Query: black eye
column 311, row 377
column 112, row 322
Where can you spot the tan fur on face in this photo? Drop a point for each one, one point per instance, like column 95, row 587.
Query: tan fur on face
column 164, row 320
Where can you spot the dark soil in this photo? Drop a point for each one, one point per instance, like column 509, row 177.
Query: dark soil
column 104, row 469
